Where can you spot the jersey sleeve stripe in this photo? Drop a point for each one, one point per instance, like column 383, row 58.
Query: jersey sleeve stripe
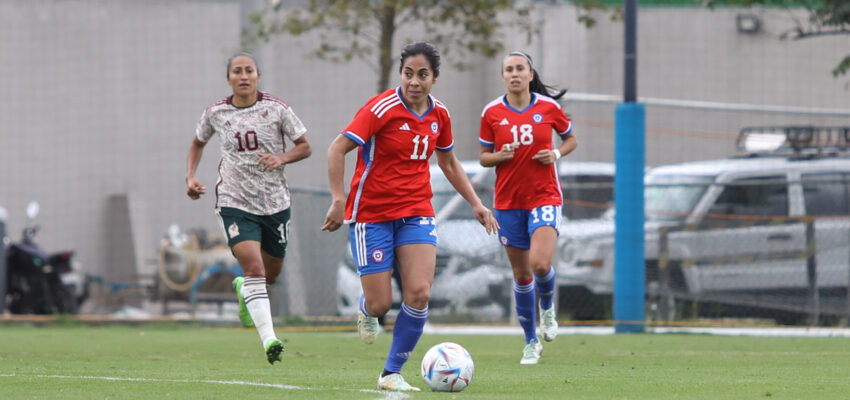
column 269, row 97
column 440, row 104
column 355, row 138
column 568, row 131
column 447, row 148
column 549, row 100
column 485, row 142
column 383, row 109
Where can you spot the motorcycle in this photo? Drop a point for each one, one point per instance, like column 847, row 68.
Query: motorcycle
column 38, row 282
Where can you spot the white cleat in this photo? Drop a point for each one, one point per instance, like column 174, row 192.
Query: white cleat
column 367, row 327
column 548, row 324
column 531, row 353
column 395, row 382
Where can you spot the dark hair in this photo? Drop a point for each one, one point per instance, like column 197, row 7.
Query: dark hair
column 242, row 53
column 536, row 84
column 424, row 48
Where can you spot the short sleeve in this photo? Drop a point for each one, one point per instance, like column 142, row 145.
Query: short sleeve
column 561, row 123
column 363, row 126
column 486, row 136
column 204, row 130
column 446, row 140
column 291, row 125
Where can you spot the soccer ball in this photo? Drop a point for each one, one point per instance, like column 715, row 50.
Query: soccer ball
column 447, row 367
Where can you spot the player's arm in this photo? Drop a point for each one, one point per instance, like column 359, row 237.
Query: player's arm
column 488, row 158
column 300, row 151
column 454, row 172
column 336, row 175
column 568, row 144
column 194, row 188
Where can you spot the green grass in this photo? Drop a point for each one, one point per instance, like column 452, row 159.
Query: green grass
column 168, row 361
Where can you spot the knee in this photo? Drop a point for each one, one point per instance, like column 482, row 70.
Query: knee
column 379, row 308
column 418, row 296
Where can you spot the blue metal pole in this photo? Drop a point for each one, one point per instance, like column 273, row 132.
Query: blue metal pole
column 629, row 266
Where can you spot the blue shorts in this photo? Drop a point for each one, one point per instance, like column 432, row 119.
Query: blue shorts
column 517, row 226
column 373, row 243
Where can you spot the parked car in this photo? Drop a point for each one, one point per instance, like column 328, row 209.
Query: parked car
column 473, row 276
column 731, row 231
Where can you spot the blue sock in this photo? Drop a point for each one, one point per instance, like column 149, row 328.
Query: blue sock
column 363, row 305
column 525, row 308
column 406, row 332
column 546, row 288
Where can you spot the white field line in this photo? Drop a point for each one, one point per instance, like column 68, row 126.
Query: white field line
column 609, row 330
column 383, row 394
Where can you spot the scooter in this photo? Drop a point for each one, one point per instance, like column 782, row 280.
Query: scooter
column 38, row 282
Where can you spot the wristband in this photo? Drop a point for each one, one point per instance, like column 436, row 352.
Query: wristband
column 557, row 153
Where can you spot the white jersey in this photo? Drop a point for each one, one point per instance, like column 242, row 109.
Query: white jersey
column 243, row 133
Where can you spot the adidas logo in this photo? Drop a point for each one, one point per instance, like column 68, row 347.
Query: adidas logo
column 504, row 122
column 404, row 127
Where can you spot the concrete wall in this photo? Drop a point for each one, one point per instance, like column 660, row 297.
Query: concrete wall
column 101, row 99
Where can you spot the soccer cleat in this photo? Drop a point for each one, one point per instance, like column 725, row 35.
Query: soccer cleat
column 395, row 382
column 531, row 353
column 244, row 314
column 367, row 327
column 548, row 324
column 274, row 350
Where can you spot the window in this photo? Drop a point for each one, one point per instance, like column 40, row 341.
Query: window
column 826, row 194
column 761, row 196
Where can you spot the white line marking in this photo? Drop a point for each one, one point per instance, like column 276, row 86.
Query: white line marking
column 384, row 394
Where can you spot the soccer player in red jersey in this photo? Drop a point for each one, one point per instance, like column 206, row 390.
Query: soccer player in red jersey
column 389, row 208
column 252, row 196
column 516, row 138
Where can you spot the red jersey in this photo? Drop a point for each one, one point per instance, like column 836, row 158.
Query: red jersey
column 523, row 183
column 391, row 179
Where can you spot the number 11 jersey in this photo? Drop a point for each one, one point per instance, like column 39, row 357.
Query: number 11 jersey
column 392, row 178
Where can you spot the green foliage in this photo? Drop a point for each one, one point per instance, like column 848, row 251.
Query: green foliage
column 366, row 29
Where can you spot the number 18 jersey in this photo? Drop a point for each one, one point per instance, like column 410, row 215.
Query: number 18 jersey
column 523, row 183
column 392, row 178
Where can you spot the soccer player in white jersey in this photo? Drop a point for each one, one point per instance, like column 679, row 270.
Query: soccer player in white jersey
column 252, row 196
column 516, row 138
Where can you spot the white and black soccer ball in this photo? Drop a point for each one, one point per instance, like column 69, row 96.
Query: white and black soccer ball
column 447, row 367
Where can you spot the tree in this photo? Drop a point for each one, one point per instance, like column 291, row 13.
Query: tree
column 366, row 29
column 825, row 17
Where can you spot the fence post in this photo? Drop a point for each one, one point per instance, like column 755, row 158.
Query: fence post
column 811, row 272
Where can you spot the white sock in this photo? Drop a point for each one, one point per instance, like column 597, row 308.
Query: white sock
column 257, row 301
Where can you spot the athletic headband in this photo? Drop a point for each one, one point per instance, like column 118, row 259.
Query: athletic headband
column 521, row 54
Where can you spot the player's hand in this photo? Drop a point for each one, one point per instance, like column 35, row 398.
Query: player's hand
column 486, row 218
column 545, row 157
column 194, row 189
column 335, row 216
column 507, row 151
column 270, row 162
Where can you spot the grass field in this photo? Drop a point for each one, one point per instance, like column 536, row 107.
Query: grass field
column 178, row 361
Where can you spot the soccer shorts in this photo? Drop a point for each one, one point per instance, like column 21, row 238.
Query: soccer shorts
column 517, row 226
column 272, row 231
column 373, row 243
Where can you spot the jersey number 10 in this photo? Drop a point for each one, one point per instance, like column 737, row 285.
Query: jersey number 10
column 250, row 140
